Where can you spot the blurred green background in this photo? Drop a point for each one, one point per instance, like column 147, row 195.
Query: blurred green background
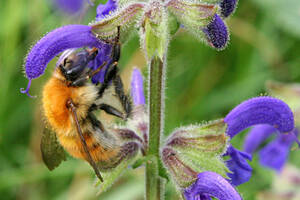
column 202, row 84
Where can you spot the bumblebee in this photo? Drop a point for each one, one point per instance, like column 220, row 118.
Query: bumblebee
column 69, row 101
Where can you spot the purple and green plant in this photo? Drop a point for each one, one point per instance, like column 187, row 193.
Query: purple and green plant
column 199, row 159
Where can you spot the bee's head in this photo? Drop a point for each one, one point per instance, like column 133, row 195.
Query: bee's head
column 74, row 65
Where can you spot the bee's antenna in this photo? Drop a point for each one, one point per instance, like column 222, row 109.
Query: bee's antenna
column 72, row 107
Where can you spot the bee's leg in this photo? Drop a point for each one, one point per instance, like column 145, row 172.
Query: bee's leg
column 125, row 100
column 110, row 74
column 72, row 108
column 113, row 68
column 112, row 111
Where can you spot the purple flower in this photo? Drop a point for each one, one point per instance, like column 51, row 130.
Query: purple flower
column 137, row 91
column 211, row 184
column 66, row 37
column 69, row 6
column 105, row 49
column 61, row 39
column 259, row 110
column 238, row 165
column 216, row 33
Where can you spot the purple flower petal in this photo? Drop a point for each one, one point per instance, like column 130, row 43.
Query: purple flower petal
column 216, row 33
column 104, row 55
column 212, row 184
column 227, row 7
column 238, row 165
column 137, row 91
column 103, row 10
column 275, row 154
column 66, row 37
column 260, row 110
column 204, row 197
column 69, row 6
column 256, row 136
column 105, row 49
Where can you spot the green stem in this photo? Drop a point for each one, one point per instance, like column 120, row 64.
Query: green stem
column 156, row 106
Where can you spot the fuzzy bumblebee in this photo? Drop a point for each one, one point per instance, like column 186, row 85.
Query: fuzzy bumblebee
column 69, row 100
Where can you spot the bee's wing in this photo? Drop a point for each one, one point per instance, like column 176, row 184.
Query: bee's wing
column 52, row 152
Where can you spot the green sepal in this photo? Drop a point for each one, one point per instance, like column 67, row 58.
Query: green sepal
column 124, row 17
column 193, row 15
column 196, row 149
column 173, row 24
column 52, row 152
column 162, row 171
column 201, row 162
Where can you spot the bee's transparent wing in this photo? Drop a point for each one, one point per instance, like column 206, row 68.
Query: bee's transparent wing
column 52, row 152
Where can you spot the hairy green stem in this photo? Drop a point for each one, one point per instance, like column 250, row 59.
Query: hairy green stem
column 156, row 106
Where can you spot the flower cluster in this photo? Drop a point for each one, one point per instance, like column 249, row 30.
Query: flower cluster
column 203, row 19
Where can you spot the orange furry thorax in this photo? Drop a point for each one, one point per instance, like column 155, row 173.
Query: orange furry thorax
column 56, row 93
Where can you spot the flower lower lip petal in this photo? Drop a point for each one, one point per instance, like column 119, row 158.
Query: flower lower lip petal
column 256, row 136
column 275, row 154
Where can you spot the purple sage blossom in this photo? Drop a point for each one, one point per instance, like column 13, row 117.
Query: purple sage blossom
column 259, row 110
column 211, row 184
column 63, row 38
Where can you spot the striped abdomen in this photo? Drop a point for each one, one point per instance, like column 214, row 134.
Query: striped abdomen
column 104, row 156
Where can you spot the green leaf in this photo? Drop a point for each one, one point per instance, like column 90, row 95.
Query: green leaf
column 52, row 152
column 138, row 163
